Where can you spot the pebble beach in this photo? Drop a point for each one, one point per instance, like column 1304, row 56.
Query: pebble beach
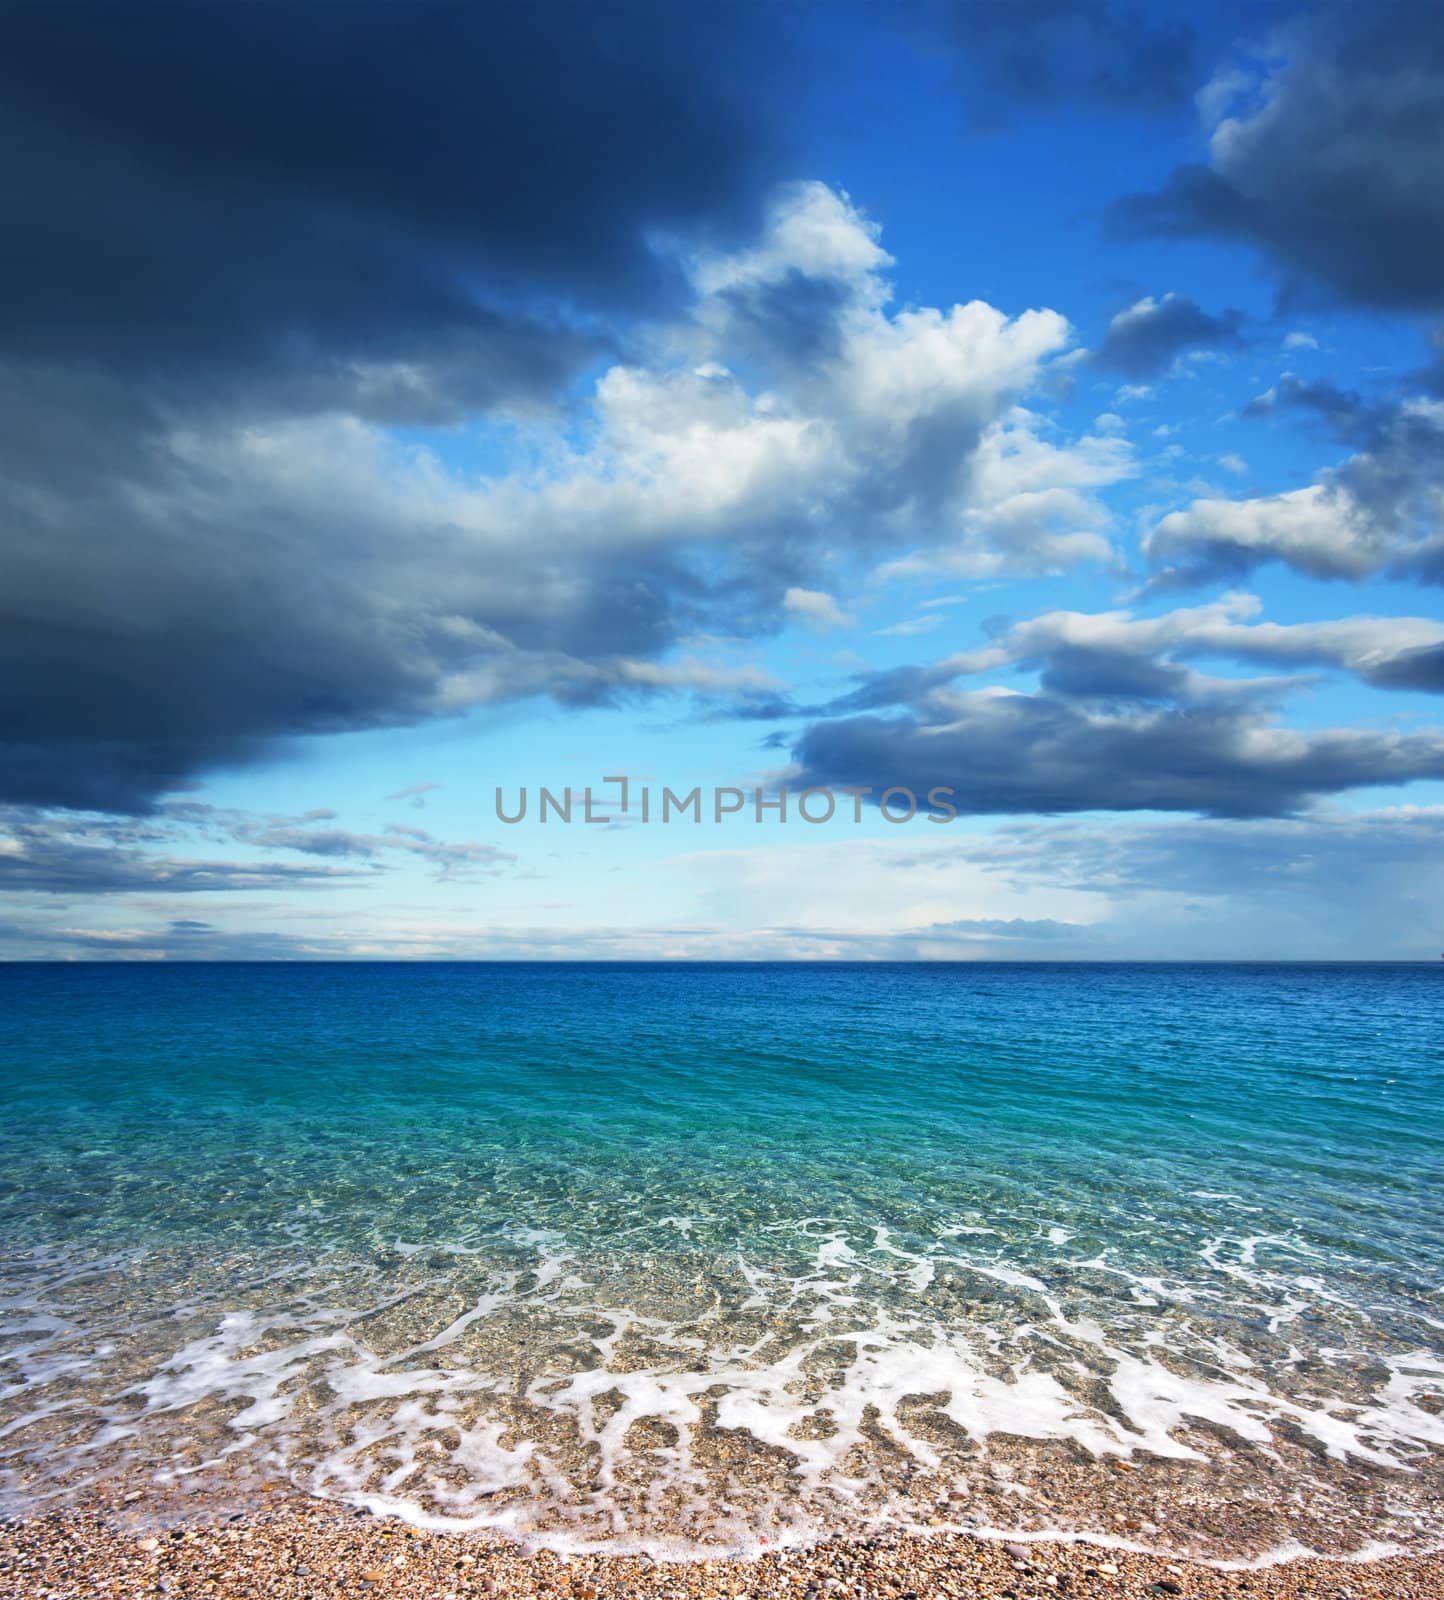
column 302, row 1550
column 885, row 1324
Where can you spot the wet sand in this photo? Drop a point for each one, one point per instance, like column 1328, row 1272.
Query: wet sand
column 297, row 1549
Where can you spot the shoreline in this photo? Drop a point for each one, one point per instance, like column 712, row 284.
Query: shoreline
column 298, row 1548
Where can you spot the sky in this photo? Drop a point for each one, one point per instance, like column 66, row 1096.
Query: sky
column 418, row 403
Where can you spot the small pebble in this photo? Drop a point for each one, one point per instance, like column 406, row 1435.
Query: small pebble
column 298, row 1551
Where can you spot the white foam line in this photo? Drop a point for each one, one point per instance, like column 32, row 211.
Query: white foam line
column 372, row 1425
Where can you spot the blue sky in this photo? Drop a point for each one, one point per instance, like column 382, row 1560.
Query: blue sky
column 1043, row 401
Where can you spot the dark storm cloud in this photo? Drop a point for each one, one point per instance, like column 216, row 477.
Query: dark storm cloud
column 1121, row 721
column 187, row 587
column 1068, row 671
column 157, row 623
column 1342, row 409
column 1421, row 669
column 1078, row 672
column 281, row 192
column 1145, row 338
column 1022, row 753
column 227, row 219
column 1114, row 54
column 766, row 708
column 896, row 686
column 1336, row 176
column 178, row 598
column 1378, row 511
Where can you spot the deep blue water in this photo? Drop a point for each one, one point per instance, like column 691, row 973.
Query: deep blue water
column 812, row 1189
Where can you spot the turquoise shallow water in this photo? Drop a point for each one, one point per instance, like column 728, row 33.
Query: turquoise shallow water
column 712, row 1254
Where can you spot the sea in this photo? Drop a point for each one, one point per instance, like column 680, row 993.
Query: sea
column 701, row 1259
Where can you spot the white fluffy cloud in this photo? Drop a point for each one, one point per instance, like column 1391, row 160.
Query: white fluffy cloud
column 807, row 412
column 786, row 425
column 813, row 606
column 1317, row 530
column 1372, row 647
column 1382, row 510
